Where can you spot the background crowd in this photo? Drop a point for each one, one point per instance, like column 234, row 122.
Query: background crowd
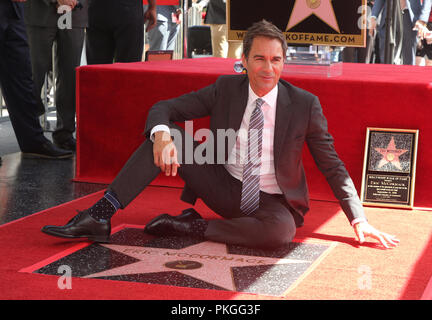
column 50, row 37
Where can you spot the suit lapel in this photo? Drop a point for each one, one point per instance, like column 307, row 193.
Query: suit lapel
column 238, row 105
column 283, row 116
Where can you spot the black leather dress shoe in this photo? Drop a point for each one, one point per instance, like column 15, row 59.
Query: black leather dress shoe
column 47, row 150
column 81, row 226
column 69, row 144
column 166, row 225
column 187, row 215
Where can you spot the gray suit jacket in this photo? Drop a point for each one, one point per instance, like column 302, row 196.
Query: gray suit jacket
column 299, row 119
column 43, row 13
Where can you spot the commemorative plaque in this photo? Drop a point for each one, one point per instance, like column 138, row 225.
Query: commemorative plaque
column 389, row 167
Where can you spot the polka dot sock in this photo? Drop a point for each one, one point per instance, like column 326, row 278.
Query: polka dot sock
column 198, row 228
column 105, row 208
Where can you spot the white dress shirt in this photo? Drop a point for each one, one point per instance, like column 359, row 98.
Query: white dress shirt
column 238, row 155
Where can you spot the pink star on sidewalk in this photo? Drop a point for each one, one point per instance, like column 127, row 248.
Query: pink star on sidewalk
column 323, row 9
column 207, row 261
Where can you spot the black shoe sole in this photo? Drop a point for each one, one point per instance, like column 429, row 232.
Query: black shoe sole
column 101, row 239
column 29, row 155
column 64, row 147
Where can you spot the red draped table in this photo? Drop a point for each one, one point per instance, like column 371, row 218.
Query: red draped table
column 113, row 103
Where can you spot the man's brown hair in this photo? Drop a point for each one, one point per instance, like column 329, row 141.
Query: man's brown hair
column 266, row 29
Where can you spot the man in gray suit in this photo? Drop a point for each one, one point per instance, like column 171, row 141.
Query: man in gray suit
column 261, row 207
column 415, row 15
column 62, row 22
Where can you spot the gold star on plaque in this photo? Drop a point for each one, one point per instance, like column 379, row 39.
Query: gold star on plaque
column 391, row 154
column 323, row 9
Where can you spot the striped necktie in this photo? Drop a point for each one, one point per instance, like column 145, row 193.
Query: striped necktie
column 251, row 170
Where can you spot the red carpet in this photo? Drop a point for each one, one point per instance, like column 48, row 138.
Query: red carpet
column 346, row 271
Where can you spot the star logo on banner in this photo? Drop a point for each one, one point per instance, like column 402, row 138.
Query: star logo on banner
column 323, row 9
column 390, row 155
column 207, row 261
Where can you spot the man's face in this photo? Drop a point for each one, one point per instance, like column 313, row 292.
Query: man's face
column 264, row 64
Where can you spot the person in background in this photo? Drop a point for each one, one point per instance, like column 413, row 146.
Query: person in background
column 163, row 35
column 116, row 30
column 424, row 49
column 17, row 85
column 415, row 14
column 216, row 18
column 47, row 23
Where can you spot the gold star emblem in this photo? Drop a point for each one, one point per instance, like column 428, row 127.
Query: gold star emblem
column 323, row 9
column 313, row 4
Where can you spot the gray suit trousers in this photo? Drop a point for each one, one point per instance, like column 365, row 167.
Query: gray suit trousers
column 271, row 225
column 409, row 44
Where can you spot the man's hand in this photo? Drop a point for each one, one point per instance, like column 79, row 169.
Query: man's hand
column 421, row 28
column 165, row 153
column 70, row 3
column 372, row 26
column 364, row 229
column 151, row 16
column 177, row 16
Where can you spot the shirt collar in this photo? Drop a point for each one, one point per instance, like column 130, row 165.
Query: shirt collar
column 270, row 98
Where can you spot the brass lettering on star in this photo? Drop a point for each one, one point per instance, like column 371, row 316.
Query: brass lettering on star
column 143, row 252
column 211, row 257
